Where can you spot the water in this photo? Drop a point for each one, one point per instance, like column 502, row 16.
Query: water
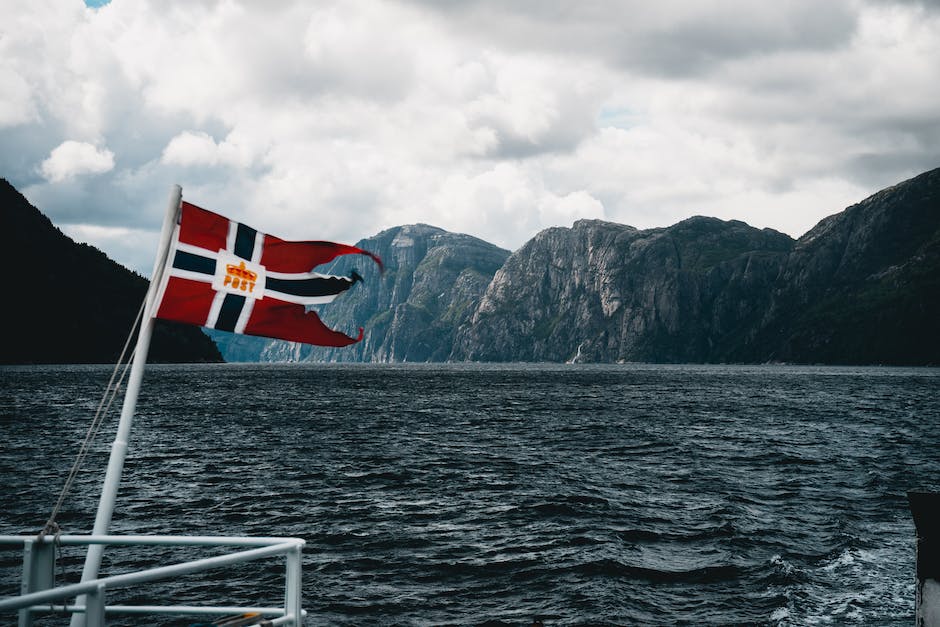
column 470, row 494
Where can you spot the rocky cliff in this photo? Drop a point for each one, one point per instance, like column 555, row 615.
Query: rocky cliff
column 862, row 287
column 432, row 283
column 607, row 292
column 69, row 303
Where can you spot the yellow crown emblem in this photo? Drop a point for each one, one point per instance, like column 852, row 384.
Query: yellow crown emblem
column 239, row 277
column 241, row 272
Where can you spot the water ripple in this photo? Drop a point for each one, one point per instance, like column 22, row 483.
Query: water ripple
column 494, row 494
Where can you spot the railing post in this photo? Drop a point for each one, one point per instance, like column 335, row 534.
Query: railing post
column 38, row 565
column 292, row 586
column 925, row 509
column 94, row 608
column 25, row 616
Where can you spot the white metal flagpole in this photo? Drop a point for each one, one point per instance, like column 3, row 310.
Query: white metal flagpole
column 112, row 478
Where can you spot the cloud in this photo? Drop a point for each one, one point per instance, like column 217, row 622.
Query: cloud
column 198, row 148
column 16, row 105
column 523, row 112
column 337, row 119
column 72, row 158
column 189, row 148
column 668, row 37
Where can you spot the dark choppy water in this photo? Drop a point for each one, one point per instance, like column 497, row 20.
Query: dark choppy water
column 471, row 494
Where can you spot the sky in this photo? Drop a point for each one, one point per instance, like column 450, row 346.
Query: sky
column 336, row 120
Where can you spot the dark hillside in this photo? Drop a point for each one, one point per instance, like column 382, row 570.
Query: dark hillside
column 68, row 303
column 863, row 286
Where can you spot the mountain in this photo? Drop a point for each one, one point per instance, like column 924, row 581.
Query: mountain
column 432, row 283
column 69, row 303
column 605, row 292
column 862, row 287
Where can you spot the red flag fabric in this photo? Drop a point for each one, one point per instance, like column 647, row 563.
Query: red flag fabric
column 225, row 275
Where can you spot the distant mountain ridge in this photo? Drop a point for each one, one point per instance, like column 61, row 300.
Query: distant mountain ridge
column 862, row 287
column 432, row 283
column 69, row 303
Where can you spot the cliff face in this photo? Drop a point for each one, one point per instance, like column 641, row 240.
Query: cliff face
column 432, row 283
column 607, row 292
column 69, row 303
column 863, row 286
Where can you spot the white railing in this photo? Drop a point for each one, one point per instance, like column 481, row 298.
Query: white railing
column 38, row 595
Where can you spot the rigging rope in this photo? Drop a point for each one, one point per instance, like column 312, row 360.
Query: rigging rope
column 107, row 399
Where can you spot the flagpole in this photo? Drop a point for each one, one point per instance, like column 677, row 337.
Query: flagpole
column 112, row 478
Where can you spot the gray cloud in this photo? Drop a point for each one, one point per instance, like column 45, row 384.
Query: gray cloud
column 573, row 118
column 33, row 143
column 931, row 5
column 665, row 38
column 338, row 119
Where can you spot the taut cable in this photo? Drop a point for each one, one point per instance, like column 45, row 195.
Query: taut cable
column 107, row 399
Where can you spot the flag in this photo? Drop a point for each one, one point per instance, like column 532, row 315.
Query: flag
column 225, row 275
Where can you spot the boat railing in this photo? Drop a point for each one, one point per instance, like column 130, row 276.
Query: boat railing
column 37, row 594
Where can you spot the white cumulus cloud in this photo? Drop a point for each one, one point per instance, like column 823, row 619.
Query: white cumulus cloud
column 71, row 158
column 197, row 148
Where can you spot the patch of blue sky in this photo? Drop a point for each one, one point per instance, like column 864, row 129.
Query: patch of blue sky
column 618, row 117
column 96, row 4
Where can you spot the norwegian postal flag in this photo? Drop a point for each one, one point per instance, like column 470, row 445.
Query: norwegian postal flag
column 226, row 275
